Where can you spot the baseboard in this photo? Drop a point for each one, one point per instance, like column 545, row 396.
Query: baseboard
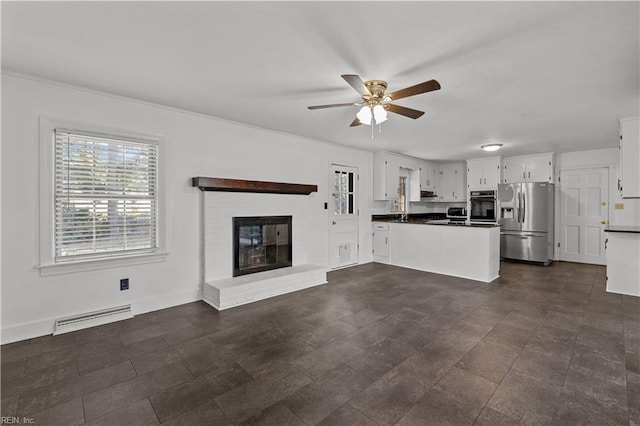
column 45, row 327
column 163, row 301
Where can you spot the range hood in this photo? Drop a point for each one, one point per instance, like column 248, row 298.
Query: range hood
column 428, row 194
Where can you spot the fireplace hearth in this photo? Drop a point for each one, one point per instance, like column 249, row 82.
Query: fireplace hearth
column 261, row 243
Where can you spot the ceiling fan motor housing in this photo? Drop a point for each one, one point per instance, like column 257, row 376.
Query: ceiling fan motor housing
column 376, row 87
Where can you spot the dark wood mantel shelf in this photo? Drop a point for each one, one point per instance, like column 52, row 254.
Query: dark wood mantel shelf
column 239, row 185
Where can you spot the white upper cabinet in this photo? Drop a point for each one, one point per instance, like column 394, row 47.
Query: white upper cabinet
column 451, row 182
column 483, row 173
column 528, row 168
column 629, row 181
column 428, row 175
column 386, row 173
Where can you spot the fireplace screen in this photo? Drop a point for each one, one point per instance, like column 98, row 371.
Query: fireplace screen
column 261, row 243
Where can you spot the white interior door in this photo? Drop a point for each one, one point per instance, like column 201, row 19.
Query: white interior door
column 343, row 216
column 584, row 213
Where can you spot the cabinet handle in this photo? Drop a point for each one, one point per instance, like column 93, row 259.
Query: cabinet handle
column 386, row 240
column 529, row 175
column 605, row 243
column 480, row 181
column 523, row 175
column 485, row 181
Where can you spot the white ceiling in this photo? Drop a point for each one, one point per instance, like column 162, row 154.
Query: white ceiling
column 535, row 76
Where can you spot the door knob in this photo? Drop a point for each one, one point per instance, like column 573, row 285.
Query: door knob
column 603, row 221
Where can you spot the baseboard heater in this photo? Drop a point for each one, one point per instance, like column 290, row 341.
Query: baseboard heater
column 91, row 319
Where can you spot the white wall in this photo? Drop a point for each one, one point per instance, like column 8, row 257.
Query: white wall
column 193, row 145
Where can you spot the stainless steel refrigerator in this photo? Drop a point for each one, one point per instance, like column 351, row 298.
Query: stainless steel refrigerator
column 526, row 221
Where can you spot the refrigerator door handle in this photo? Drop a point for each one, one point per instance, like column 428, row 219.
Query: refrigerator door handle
column 519, row 207
column 524, row 207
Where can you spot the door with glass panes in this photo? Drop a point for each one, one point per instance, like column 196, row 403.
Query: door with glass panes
column 343, row 216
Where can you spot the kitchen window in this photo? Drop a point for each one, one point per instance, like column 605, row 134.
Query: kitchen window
column 103, row 198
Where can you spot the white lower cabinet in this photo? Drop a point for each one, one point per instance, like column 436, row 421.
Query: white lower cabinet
column 623, row 268
column 380, row 242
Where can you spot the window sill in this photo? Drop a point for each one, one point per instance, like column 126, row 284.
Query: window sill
column 95, row 264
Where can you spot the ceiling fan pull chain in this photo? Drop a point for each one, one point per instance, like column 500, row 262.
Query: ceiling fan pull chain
column 373, row 125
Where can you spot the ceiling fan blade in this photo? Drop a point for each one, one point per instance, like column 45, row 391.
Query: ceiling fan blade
column 407, row 112
column 356, row 82
column 332, row 105
column 427, row 86
column 355, row 123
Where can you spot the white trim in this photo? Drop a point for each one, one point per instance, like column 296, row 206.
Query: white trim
column 45, row 327
column 95, row 264
column 46, row 200
column 163, row 301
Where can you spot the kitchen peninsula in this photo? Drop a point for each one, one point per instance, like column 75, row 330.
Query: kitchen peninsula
column 468, row 251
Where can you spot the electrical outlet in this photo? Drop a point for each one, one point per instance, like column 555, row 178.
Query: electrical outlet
column 124, row 284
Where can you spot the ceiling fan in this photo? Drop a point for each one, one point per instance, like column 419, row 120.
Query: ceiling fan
column 376, row 102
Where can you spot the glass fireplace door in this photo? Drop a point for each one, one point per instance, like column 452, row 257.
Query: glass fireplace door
column 261, row 244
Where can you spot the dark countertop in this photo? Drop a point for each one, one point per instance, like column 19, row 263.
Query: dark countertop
column 412, row 218
column 467, row 225
column 623, row 228
column 438, row 219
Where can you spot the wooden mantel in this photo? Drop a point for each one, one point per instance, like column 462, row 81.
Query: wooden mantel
column 239, row 185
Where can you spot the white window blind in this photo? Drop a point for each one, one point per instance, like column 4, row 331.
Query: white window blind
column 106, row 196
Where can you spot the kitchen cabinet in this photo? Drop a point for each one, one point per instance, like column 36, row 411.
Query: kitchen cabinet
column 629, row 181
column 380, row 242
column 414, row 184
column 622, row 253
column 429, row 248
column 428, row 176
column 483, row 173
column 528, row 168
column 451, row 182
column 386, row 172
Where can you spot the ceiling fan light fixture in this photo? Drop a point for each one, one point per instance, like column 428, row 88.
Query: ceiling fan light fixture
column 364, row 115
column 490, row 147
column 379, row 114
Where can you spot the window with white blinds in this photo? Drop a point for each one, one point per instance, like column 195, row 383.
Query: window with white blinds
column 106, row 196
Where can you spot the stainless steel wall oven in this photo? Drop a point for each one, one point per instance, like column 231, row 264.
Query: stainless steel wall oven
column 483, row 206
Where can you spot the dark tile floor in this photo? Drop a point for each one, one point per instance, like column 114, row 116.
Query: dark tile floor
column 377, row 345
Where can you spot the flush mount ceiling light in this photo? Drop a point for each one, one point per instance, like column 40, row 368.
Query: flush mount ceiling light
column 490, row 147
